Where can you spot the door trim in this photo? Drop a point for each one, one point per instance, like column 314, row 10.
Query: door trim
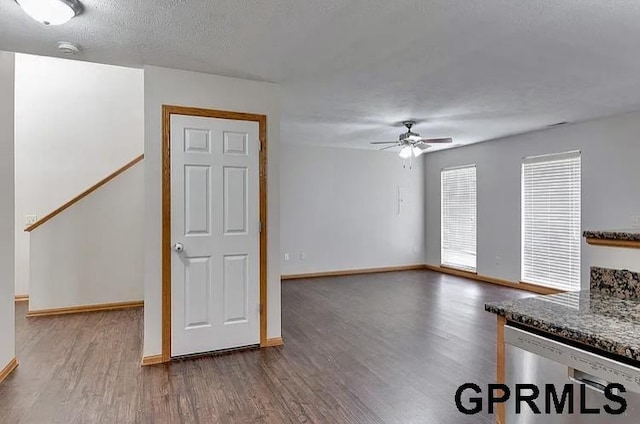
column 167, row 111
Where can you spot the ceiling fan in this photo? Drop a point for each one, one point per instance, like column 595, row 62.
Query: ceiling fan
column 412, row 144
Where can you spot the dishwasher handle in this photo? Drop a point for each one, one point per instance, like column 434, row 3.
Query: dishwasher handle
column 591, row 381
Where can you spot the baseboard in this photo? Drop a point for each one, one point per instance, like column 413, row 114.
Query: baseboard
column 351, row 272
column 85, row 308
column 276, row 341
column 6, row 371
column 491, row 280
column 22, row 298
column 533, row 288
column 152, row 360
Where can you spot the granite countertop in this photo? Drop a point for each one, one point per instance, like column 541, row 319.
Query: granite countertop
column 623, row 234
column 593, row 318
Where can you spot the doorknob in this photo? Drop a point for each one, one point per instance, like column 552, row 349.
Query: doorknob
column 178, row 247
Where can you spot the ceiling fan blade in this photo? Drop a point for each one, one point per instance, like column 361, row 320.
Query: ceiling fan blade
column 384, row 142
column 437, row 140
column 389, row 147
column 422, row 146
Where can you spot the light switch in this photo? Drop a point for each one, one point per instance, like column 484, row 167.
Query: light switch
column 30, row 219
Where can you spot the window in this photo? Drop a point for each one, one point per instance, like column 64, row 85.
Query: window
column 551, row 220
column 458, row 218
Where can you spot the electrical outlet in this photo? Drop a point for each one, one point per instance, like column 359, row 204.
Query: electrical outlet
column 303, row 256
column 635, row 222
column 30, row 219
column 286, row 256
column 498, row 260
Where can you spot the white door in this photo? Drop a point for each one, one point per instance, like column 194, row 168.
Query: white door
column 215, row 226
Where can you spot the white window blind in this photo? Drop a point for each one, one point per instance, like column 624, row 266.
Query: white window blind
column 551, row 220
column 458, row 217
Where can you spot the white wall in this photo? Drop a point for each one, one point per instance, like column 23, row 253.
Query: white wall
column 610, row 195
column 7, row 314
column 615, row 258
column 339, row 208
column 93, row 252
column 76, row 122
column 174, row 87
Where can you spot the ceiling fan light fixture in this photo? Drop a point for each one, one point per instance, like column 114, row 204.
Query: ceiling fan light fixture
column 406, row 152
column 416, row 151
column 51, row 12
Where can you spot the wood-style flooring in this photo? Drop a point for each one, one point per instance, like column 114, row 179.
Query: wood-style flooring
column 380, row 348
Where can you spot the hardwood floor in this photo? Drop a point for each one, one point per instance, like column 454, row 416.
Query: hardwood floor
column 379, row 348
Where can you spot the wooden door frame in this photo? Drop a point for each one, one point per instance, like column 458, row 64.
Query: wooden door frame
column 167, row 111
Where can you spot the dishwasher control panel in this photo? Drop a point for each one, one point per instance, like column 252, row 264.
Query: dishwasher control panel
column 605, row 368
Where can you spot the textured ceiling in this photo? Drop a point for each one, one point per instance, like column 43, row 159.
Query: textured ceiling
column 350, row 69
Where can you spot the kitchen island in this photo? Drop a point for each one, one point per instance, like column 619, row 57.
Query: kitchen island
column 593, row 320
column 603, row 321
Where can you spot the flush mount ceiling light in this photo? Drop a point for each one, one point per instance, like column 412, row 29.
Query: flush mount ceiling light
column 51, row 12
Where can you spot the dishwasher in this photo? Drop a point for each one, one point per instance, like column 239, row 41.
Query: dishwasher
column 533, row 358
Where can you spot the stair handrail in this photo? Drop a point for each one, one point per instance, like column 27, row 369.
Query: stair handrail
column 83, row 194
